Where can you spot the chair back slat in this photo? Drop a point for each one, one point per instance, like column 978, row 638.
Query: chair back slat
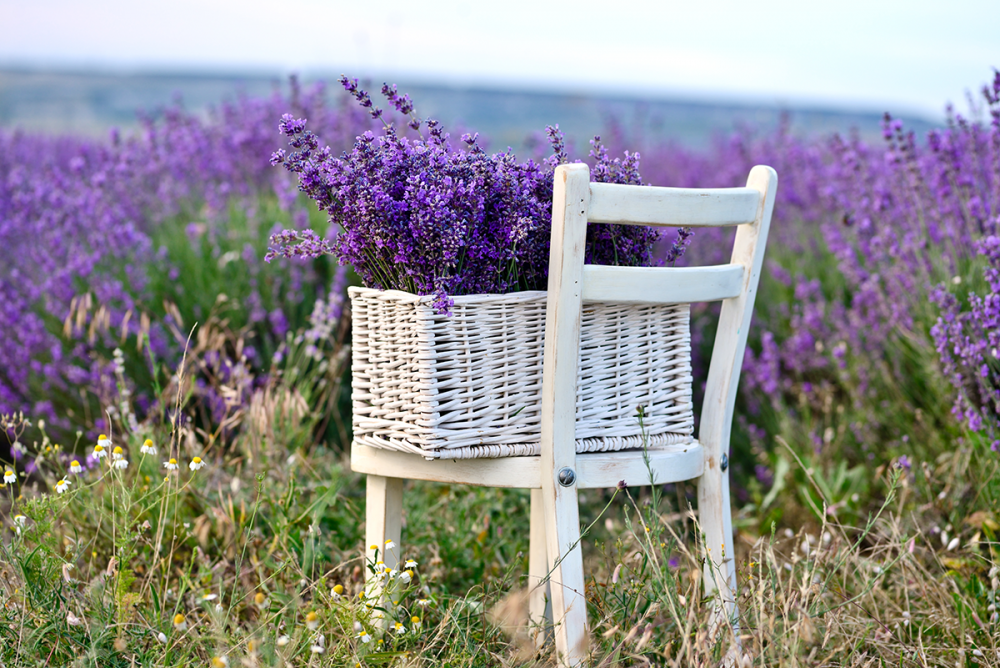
column 672, row 207
column 661, row 285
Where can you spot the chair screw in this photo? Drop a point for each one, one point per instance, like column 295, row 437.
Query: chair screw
column 725, row 462
column 567, row 476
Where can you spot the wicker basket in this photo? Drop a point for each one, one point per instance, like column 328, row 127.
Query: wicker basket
column 469, row 384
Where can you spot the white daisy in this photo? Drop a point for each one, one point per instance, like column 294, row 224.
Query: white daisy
column 196, row 464
column 75, row 467
column 423, row 602
column 62, row 485
column 390, row 545
column 148, row 448
column 19, row 523
column 103, row 441
column 162, row 637
column 99, row 451
column 364, row 637
column 336, row 591
column 180, row 623
column 282, row 641
column 9, row 477
column 312, row 621
column 406, row 576
column 117, row 453
column 121, row 463
column 410, row 563
column 400, row 629
column 171, row 465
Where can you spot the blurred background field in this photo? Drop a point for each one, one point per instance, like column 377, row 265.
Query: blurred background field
column 137, row 304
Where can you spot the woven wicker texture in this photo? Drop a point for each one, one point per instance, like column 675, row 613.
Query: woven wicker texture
column 469, row 384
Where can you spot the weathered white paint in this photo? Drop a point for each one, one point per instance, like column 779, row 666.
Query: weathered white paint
column 673, row 463
column 673, row 207
column 661, row 285
column 720, row 397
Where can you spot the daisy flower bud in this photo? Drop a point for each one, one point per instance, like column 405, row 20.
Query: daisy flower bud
column 75, row 467
column 9, row 477
column 162, row 637
column 180, row 623
column 196, row 464
column 62, row 486
column 171, row 465
column 148, row 448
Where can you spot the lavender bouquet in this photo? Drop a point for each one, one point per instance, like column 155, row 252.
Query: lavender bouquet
column 417, row 214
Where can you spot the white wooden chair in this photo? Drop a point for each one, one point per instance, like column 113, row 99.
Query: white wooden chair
column 556, row 475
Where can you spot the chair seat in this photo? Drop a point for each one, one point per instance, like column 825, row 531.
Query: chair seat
column 672, row 463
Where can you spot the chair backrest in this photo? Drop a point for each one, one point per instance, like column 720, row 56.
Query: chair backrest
column 576, row 201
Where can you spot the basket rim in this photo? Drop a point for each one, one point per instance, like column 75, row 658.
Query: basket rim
column 485, row 298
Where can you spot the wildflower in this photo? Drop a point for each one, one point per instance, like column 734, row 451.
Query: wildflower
column 373, row 547
column 180, row 623
column 337, row 591
column 312, row 621
column 390, row 545
column 75, row 467
column 99, row 451
column 410, row 563
column 209, row 597
column 103, row 441
column 121, row 464
column 400, row 629
column 148, row 448
column 364, row 637
column 171, row 465
column 9, row 477
column 319, row 646
column 162, row 637
column 19, row 522
column 406, row 576
column 259, row 599
column 62, row 486
column 282, row 641
column 117, row 453
column 220, row 662
column 415, row 622
column 423, row 602
column 196, row 464
column 73, row 620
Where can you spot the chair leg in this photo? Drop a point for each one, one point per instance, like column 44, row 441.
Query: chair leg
column 715, row 516
column 565, row 568
column 539, row 601
column 383, row 522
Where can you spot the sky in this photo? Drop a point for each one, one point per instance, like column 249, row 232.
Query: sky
column 909, row 57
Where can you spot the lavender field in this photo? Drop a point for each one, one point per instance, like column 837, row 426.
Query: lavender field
column 141, row 317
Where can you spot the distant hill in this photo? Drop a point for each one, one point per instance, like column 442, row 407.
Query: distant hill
column 91, row 102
